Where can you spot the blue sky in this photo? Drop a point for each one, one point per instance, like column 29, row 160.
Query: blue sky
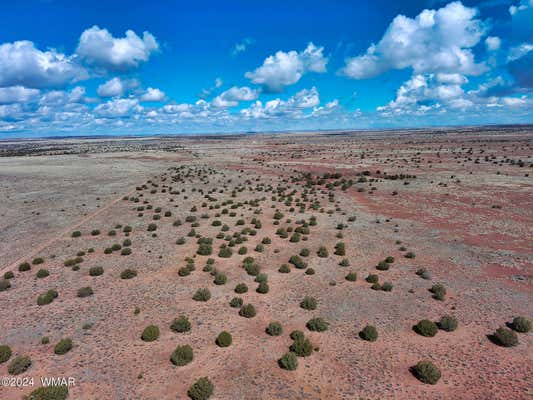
column 122, row 67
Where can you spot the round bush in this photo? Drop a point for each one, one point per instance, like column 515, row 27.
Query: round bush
column 427, row 372
column 302, row 347
column 126, row 251
column 284, row 269
column 202, row 389
column 297, row 335
column 352, row 277
column 202, row 294
column 63, row 346
column 317, row 325
column 25, row 266
column 383, row 266
column 183, row 355
column 47, row 297
column 4, row 284
column 128, row 274
column 236, row 302
column 96, row 271
column 308, row 303
column 521, row 324
column 224, row 339
column 288, row 361
column 372, row 278
column 262, row 288
column 241, row 288
column 447, row 323
column 54, row 392
column 439, row 291
column 76, row 234
column 506, row 337
column 181, row 324
column 150, row 333
column 42, row 273
column 387, row 286
column 5, row 353
column 426, row 328
column 85, row 291
column 19, row 365
column 247, row 311
column 274, row 329
column 9, row 275
column 220, row 279
column 369, row 333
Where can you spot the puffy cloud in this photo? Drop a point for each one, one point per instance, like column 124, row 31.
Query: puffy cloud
column 153, row 95
column 22, row 64
column 519, row 51
column 522, row 6
column 99, row 48
column 117, row 108
column 57, row 98
column 492, row 43
column 112, row 88
column 232, row 96
column 293, row 107
column 242, row 46
column 435, row 41
column 284, row 69
column 17, row 94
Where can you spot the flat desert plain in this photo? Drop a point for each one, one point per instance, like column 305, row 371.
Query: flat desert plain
column 101, row 239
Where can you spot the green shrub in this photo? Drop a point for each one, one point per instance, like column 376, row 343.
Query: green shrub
column 37, row 261
column 202, row 294
column 352, row 277
column 252, row 268
column 439, row 291
column 261, row 278
column 410, row 254
column 96, row 271
column 242, row 250
column 288, row 361
column 225, row 252
column 274, row 329
column 150, row 333
column 236, row 302
column 369, row 333
column 47, row 298
column 205, row 249
column 317, row 325
column 387, row 286
column 76, row 234
column 126, row 251
column 19, row 365
column 220, row 279
column 372, row 278
column 308, row 303
column 297, row 335
column 241, row 288
column 382, row 266
column 152, row 227
column 54, row 392
column 42, row 273
column 4, row 284
column 182, row 355
column 224, row 339
column 5, row 353
column 297, row 262
column 202, row 389
column 322, row 252
column 9, row 275
column 302, row 347
column 521, row 324
column 505, row 337
column 247, row 311
column 95, row 232
column 45, row 340
column 447, row 323
column 344, row 262
column 25, row 266
column 340, row 249
column 85, row 291
column 426, row 328
column 128, row 273
column 262, row 288
column 181, row 324
column 309, row 271
column 284, row 269
column 63, row 346
column 304, row 252
column 427, row 372
column 184, row 271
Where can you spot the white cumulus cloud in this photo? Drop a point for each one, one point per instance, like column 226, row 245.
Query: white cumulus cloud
column 232, row 96
column 153, row 95
column 17, row 94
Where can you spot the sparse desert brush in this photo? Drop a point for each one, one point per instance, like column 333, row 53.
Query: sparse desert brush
column 387, row 287
column 182, row 355
column 284, row 269
column 63, row 346
column 426, row 372
column 95, row 232
column 423, row 273
column 5, row 353
column 369, row 333
column 47, row 298
column 322, row 252
column 116, row 247
column 505, row 337
column 340, row 249
column 447, row 323
column 259, row 248
column 309, row 271
column 181, row 241
column 252, row 268
column 205, row 249
column 371, row 278
column 288, row 361
column 150, row 333
column 317, row 325
column 181, row 324
column 224, row 339
column 225, row 252
column 202, row 389
column 54, row 392
column 126, row 251
column 96, row 271
column 352, row 277
column 37, row 261
column 263, row 288
column 266, row 240
column 301, row 346
column 383, row 266
column 25, row 266
column 151, row 227
column 344, row 262
column 45, row 340
column 202, row 294
column 410, row 254
column 19, row 365
column 184, row 271
column 76, row 234
column 247, row 311
column 4, row 284
column 220, row 279
column 85, row 291
column 439, row 291
column 236, row 302
column 296, row 334
column 274, row 329
column 521, row 324
column 241, row 288
column 128, row 273
column 242, row 250
column 297, row 262
column 9, row 275
column 309, row 303
column 426, row 328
